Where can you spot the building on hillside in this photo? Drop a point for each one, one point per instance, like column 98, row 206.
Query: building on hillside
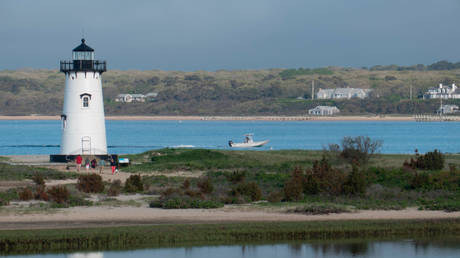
column 128, row 98
column 323, row 111
column 151, row 96
column 447, row 109
column 442, row 92
column 343, row 93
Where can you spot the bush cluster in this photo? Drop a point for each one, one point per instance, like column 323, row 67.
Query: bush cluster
column 91, row 183
column 59, row 194
column 236, row 176
column 433, row 160
column 318, row 209
column 185, row 202
column 4, row 202
column 115, row 188
column 250, row 190
column 134, row 184
column 186, row 196
column 26, row 194
column 323, row 178
column 205, row 185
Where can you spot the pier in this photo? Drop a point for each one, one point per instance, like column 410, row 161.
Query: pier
column 435, row 118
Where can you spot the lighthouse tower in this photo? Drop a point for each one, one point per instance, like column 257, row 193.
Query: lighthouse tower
column 82, row 119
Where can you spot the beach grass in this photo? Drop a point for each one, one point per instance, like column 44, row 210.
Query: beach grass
column 268, row 161
column 21, row 172
column 130, row 237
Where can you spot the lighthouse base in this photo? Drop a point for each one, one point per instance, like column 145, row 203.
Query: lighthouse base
column 63, row 158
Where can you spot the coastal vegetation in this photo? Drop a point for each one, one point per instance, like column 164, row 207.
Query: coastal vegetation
column 352, row 176
column 243, row 92
column 148, row 236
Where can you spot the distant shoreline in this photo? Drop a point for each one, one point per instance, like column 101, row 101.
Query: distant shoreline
column 231, row 118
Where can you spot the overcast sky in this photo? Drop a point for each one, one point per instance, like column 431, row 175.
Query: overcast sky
column 210, row 35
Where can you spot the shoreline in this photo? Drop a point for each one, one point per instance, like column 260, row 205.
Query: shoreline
column 192, row 234
column 229, row 118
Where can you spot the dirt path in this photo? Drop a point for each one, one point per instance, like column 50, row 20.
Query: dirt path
column 117, row 216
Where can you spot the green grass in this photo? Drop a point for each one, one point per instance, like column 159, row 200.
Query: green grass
column 199, row 159
column 116, row 238
column 266, row 161
column 21, row 172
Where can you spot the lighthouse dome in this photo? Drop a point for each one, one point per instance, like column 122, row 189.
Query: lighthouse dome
column 83, row 52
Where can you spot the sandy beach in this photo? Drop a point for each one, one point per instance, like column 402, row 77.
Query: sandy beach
column 119, row 216
column 231, row 118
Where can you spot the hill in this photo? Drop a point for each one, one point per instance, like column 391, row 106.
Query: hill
column 248, row 92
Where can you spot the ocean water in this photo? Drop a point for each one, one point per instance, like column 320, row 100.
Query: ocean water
column 18, row 137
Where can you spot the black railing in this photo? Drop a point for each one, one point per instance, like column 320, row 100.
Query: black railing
column 83, row 66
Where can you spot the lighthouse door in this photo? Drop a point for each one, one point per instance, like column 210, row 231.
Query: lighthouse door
column 86, row 145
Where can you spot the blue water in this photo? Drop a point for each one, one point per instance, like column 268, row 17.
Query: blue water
column 43, row 137
column 391, row 249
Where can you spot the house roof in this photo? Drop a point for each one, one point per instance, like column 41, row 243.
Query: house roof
column 123, row 95
column 325, row 108
column 138, row 95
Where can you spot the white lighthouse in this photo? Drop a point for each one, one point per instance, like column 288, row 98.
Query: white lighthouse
column 82, row 119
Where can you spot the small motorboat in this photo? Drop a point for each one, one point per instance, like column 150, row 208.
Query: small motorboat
column 248, row 142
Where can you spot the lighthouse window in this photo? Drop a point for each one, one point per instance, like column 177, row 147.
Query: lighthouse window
column 85, row 102
column 64, row 121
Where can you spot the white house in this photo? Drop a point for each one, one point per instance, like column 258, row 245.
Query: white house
column 343, row 93
column 323, row 111
column 128, row 98
column 151, row 96
column 447, row 109
column 442, row 92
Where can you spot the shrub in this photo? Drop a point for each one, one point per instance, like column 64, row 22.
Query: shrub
column 355, row 183
column 419, row 180
column 251, row 190
column 26, row 194
column 433, row 160
column 317, row 209
column 233, row 199
column 323, row 178
column 185, row 202
column 205, row 185
column 59, row 194
column 4, row 202
column 91, row 183
column 134, row 184
column 359, row 149
column 38, row 179
column 115, row 188
column 236, row 176
column 311, row 184
column 186, row 184
column 78, row 201
column 293, row 188
column 41, row 194
column 275, row 197
column 194, row 194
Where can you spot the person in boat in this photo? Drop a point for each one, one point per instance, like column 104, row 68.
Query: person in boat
column 230, row 143
column 246, row 140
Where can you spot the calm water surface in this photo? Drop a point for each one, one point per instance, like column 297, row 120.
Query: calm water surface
column 43, row 137
column 392, row 249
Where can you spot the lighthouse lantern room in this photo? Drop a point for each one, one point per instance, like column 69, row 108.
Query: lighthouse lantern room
column 82, row 119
